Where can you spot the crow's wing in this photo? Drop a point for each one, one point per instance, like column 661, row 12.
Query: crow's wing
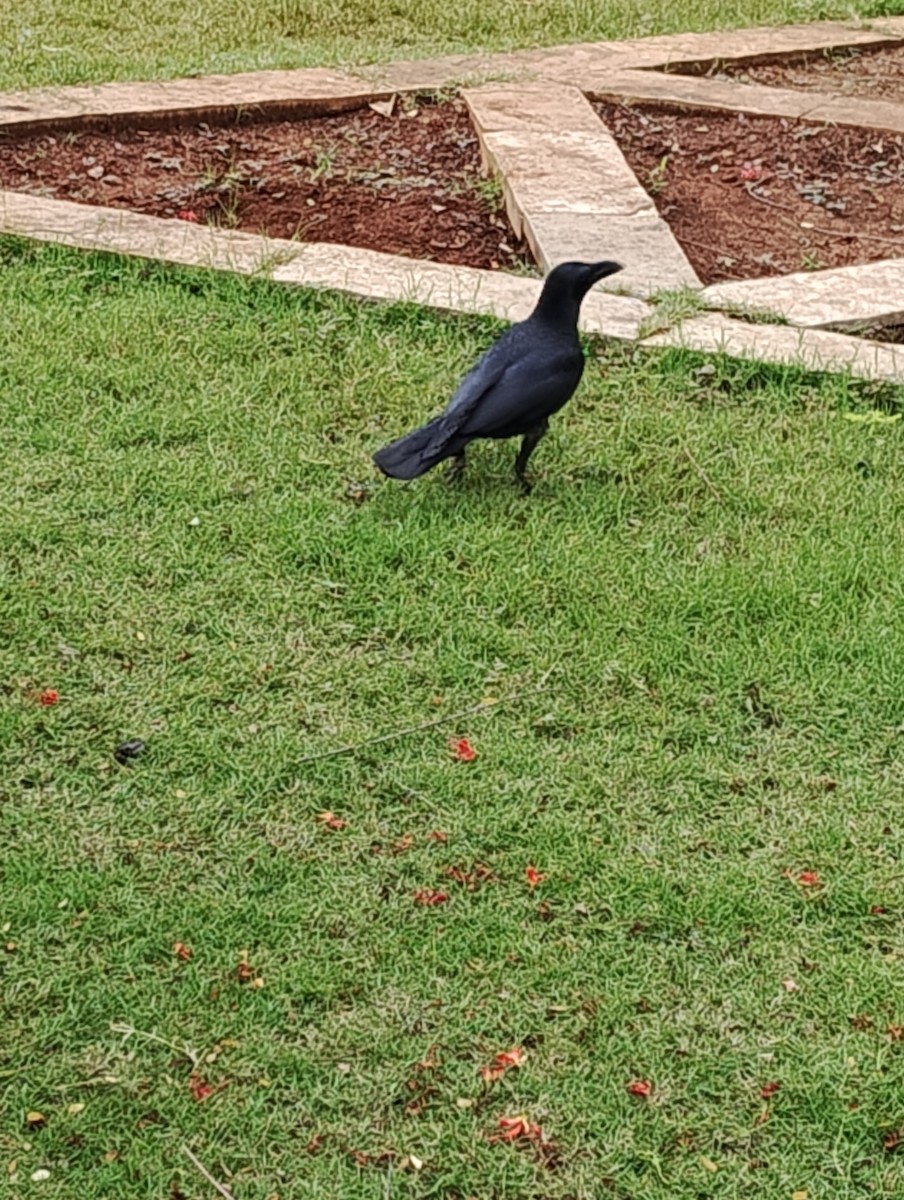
column 486, row 373
column 531, row 389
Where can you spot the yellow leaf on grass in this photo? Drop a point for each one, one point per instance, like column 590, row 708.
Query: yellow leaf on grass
column 73, row 1110
column 875, row 417
column 801, row 1195
column 708, row 1163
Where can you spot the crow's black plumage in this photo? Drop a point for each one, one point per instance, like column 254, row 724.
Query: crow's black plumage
column 514, row 388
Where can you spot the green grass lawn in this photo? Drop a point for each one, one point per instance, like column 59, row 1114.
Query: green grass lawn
column 68, row 41
column 187, row 558
column 679, row 663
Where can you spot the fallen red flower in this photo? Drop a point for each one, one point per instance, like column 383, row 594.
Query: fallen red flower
column 769, row 1089
column 502, row 1063
column 428, row 896
column 510, row 1058
column 186, row 214
column 182, row 951
column 878, row 910
column 462, row 749
column 639, row 1087
column 49, row 697
column 438, row 836
column 516, row 1128
column 533, row 876
column 472, row 879
column 200, row 1088
column 331, row 821
column 804, row 878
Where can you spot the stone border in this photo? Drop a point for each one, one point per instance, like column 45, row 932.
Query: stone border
column 371, row 275
column 568, row 187
column 584, row 65
column 367, row 274
column 596, row 208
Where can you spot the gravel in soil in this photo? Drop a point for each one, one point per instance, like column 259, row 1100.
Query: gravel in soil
column 409, row 183
column 748, row 197
column 875, row 74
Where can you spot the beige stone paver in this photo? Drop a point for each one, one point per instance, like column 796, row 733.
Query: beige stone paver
column 750, row 98
column 745, row 44
column 840, row 297
column 578, row 65
column 814, row 349
column 315, row 91
column 365, row 273
column 568, row 187
column 640, row 241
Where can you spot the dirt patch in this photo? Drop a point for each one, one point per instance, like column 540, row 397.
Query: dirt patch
column 749, row 197
column 875, row 74
column 408, row 184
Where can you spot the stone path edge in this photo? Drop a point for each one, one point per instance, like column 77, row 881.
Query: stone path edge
column 321, row 90
column 372, row 275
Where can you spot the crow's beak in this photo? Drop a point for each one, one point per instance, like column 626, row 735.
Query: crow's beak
column 601, row 269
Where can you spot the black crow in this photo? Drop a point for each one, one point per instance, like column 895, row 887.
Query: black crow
column 514, row 388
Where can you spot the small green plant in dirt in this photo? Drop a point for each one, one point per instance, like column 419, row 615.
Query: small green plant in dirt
column 656, row 178
column 324, row 163
column 226, row 183
column 810, row 261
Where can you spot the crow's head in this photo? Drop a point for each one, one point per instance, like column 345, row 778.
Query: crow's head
column 566, row 286
column 575, row 279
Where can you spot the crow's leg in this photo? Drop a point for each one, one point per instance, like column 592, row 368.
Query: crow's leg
column 528, row 446
column 456, row 467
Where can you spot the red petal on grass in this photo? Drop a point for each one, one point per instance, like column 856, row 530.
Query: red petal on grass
column 429, row 896
column 640, row 1087
column 462, row 749
column 769, row 1089
column 502, row 1063
column 438, row 836
column 804, row 878
column 49, row 697
column 533, row 876
column 329, row 820
column 510, row 1058
column 182, row 951
column 516, row 1128
column 187, row 214
column 200, row 1088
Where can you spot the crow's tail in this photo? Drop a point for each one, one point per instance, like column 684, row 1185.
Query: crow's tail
column 412, row 455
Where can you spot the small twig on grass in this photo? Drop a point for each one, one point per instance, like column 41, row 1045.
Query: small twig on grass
column 221, row 1188
column 128, row 1031
column 703, row 475
column 448, row 718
